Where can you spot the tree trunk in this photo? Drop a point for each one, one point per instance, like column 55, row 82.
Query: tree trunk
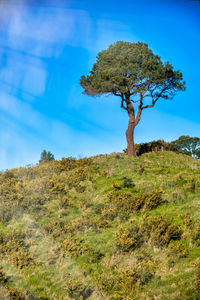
column 130, row 131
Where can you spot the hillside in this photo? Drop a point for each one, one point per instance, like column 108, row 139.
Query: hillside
column 106, row 227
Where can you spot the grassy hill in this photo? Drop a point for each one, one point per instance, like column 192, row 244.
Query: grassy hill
column 107, row 227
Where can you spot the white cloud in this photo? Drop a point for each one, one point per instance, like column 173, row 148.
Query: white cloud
column 37, row 30
column 23, row 112
column 35, row 81
column 20, row 75
column 32, row 33
column 43, row 31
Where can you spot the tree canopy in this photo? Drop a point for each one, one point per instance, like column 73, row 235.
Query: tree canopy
column 132, row 68
column 46, row 156
column 188, row 145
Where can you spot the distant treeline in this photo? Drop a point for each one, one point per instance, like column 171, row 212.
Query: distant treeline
column 184, row 144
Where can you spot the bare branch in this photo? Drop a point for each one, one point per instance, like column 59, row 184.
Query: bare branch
column 122, row 104
column 135, row 101
column 116, row 94
column 154, row 100
column 151, row 105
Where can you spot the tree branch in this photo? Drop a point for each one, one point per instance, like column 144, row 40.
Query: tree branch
column 134, row 101
column 154, row 100
column 122, row 104
column 116, row 94
column 139, row 112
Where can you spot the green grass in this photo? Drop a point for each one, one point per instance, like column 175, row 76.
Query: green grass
column 70, row 230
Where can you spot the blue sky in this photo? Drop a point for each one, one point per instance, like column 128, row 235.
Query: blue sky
column 45, row 46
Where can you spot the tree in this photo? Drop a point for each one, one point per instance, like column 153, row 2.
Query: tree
column 138, row 77
column 188, row 145
column 46, row 156
column 153, row 146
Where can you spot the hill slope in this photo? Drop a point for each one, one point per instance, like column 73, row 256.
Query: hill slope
column 107, row 227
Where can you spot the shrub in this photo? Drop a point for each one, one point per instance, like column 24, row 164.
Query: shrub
column 128, row 278
column 116, row 186
column 13, row 245
column 161, row 231
column 121, row 204
column 197, row 279
column 3, row 278
column 98, row 207
column 66, row 164
column 153, row 199
column 17, row 294
column 74, row 247
column 77, row 290
column 70, row 163
column 109, row 213
column 187, row 220
column 79, row 224
column 195, row 235
column 179, row 250
column 55, row 227
column 125, row 242
column 127, row 182
column 76, row 176
column 56, row 187
column 141, row 169
column 129, row 239
column 64, row 201
column 78, row 247
column 145, row 272
column 106, row 279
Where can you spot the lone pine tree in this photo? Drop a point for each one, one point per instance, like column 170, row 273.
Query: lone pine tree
column 137, row 76
column 46, row 156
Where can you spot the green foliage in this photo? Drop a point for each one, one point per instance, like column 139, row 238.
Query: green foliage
column 13, row 245
column 70, row 163
column 161, row 231
column 78, row 247
column 122, row 203
column 128, row 279
column 127, row 182
column 76, row 289
column 130, row 238
column 178, row 250
column 123, row 284
column 188, row 145
column 46, row 156
column 195, row 234
column 116, row 71
column 11, row 191
column 153, row 146
column 56, row 187
column 3, row 278
column 153, row 199
column 13, row 292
